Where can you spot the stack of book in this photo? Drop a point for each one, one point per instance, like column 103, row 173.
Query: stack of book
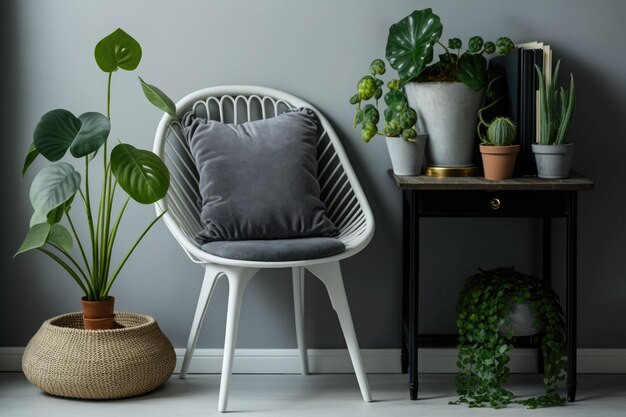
column 520, row 88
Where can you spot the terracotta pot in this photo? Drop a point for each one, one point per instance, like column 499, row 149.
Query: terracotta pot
column 498, row 161
column 98, row 315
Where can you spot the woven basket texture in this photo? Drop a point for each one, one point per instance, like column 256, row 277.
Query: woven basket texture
column 65, row 360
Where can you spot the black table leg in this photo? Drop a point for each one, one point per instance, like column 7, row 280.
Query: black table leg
column 570, row 315
column 405, row 282
column 547, row 250
column 546, row 274
column 413, row 290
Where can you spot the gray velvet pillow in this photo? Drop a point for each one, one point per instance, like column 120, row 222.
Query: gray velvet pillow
column 258, row 180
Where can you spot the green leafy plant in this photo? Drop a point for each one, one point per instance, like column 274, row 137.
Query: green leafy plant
column 410, row 50
column 483, row 310
column 500, row 131
column 556, row 107
column 400, row 118
column 141, row 174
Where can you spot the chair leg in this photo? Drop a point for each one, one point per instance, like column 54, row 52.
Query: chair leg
column 211, row 274
column 298, row 306
column 238, row 278
column 330, row 275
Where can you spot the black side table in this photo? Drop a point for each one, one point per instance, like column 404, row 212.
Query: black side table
column 424, row 196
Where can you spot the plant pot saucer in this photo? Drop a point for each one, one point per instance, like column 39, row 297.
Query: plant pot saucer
column 447, row 172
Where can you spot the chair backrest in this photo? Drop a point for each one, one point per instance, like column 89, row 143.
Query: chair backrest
column 346, row 204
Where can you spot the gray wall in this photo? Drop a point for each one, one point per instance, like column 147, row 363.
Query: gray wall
column 316, row 50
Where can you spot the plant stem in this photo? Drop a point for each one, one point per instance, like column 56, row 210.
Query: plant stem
column 67, row 268
column 109, row 96
column 119, row 268
column 100, row 235
column 105, row 204
column 111, row 235
column 94, row 242
column 80, row 245
column 73, row 262
column 444, row 47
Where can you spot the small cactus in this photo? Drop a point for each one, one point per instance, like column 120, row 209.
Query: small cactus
column 501, row 131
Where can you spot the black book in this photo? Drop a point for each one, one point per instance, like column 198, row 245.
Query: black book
column 509, row 67
column 526, row 127
column 519, row 87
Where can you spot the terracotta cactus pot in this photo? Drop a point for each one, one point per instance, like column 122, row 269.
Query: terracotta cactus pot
column 498, row 161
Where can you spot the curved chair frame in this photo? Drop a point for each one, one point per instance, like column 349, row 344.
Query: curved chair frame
column 346, row 206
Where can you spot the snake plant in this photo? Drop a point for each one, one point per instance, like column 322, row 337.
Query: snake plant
column 556, row 107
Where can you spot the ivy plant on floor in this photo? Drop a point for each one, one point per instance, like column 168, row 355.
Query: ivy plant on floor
column 484, row 306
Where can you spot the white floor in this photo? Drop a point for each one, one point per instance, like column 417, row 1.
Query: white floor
column 313, row 395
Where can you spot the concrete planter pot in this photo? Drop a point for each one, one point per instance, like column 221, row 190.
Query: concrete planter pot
column 407, row 157
column 447, row 113
column 498, row 161
column 553, row 161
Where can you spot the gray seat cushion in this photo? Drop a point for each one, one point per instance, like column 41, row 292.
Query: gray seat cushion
column 258, row 180
column 281, row 250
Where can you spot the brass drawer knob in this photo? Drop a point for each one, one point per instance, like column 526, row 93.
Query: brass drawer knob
column 495, row 203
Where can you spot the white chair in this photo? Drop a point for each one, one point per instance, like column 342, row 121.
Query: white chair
column 346, row 206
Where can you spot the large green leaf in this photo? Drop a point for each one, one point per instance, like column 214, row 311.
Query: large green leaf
column 59, row 236
column 94, row 131
column 31, row 155
column 142, row 174
column 473, row 71
column 59, row 130
column 55, row 216
column 410, row 43
column 53, row 186
column 55, row 133
column 118, row 50
column 35, row 238
column 158, row 98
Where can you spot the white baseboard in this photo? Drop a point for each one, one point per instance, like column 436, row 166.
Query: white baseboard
column 287, row 361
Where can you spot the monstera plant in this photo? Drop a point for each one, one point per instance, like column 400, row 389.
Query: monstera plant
column 58, row 187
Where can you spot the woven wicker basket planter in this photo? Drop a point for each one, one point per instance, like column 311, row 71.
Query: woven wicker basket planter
column 65, row 360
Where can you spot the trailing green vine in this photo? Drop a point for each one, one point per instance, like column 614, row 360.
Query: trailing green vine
column 483, row 309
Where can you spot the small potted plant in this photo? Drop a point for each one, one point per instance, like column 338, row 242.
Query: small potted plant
column 553, row 154
column 447, row 93
column 406, row 147
column 58, row 187
column 496, row 142
column 494, row 308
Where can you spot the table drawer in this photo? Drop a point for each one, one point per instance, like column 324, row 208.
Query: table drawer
column 492, row 203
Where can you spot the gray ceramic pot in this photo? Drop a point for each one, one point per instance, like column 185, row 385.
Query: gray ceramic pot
column 521, row 321
column 447, row 113
column 407, row 157
column 553, row 161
